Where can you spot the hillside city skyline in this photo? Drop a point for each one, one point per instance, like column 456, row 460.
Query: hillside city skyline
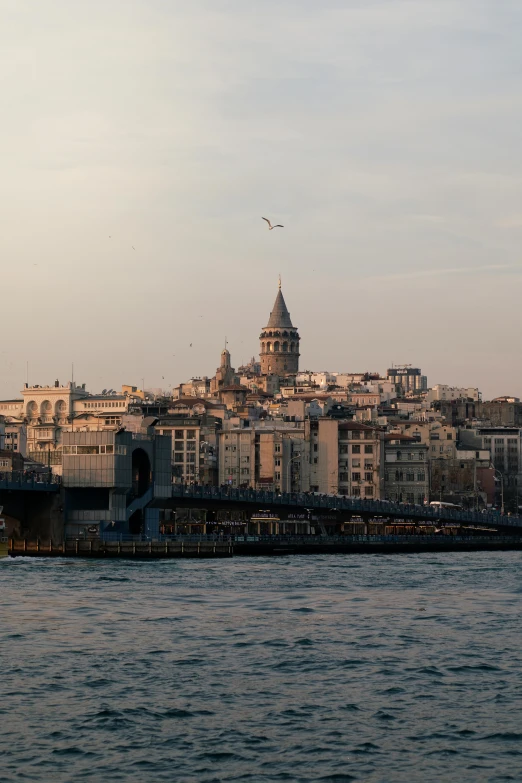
column 166, row 385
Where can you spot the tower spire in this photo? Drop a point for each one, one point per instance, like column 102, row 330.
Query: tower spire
column 279, row 281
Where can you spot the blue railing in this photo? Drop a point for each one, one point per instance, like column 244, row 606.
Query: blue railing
column 36, row 482
column 378, row 508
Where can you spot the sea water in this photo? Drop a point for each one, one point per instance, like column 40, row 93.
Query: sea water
column 339, row 668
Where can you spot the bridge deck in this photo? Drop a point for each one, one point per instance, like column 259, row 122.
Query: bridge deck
column 28, row 485
column 354, row 506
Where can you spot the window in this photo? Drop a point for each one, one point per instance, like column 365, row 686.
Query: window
column 178, row 458
column 344, row 449
column 368, row 476
column 356, row 491
column 179, row 445
column 315, row 460
column 356, row 463
column 179, row 434
column 410, row 456
column 356, row 449
column 368, row 449
column 356, row 476
column 399, row 455
column 410, row 476
column 277, row 463
column 191, row 457
column 386, row 475
column 191, row 445
column 356, row 435
column 315, row 446
column 368, row 435
column 421, row 477
column 277, row 448
column 449, row 436
column 343, row 477
column 410, row 498
column 368, row 491
column 191, row 434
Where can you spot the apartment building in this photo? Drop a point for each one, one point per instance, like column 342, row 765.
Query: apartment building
column 406, row 478
column 345, row 458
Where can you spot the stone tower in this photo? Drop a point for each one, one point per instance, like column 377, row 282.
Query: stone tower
column 279, row 352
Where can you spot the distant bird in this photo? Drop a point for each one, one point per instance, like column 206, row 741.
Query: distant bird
column 110, row 237
column 190, row 345
column 133, row 247
column 270, row 226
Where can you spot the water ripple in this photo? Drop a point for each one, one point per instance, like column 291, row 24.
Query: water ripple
column 375, row 669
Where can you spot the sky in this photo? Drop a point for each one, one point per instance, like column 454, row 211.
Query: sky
column 143, row 140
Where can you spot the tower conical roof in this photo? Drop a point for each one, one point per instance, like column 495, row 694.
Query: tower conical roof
column 280, row 317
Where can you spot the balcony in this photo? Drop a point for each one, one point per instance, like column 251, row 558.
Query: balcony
column 44, row 435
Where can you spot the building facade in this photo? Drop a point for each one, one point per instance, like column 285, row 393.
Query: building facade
column 406, row 476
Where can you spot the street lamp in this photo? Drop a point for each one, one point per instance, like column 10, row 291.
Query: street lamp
column 288, row 468
column 495, row 470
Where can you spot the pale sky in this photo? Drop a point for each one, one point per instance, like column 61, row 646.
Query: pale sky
column 384, row 134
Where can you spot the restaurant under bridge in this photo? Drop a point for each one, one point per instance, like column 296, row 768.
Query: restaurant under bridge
column 197, row 509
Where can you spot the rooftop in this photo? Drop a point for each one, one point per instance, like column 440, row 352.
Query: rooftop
column 280, row 317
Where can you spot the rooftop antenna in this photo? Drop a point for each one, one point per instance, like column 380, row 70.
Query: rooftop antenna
column 279, row 281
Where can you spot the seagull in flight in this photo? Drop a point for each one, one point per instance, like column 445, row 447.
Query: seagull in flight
column 270, row 226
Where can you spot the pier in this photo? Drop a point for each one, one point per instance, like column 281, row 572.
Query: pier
column 260, row 546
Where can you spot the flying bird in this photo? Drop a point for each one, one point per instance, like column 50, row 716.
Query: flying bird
column 270, row 226
column 133, row 247
column 190, row 345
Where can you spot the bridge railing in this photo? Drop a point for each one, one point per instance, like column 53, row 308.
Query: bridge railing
column 383, row 508
column 30, row 481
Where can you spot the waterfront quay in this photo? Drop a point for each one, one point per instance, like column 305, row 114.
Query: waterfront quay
column 205, row 547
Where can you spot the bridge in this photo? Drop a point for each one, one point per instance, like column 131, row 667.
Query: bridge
column 23, row 483
column 26, row 497
column 343, row 507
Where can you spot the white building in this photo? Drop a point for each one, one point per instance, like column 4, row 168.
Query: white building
column 442, row 392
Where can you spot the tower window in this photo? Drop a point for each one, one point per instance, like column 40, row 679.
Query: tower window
column 285, row 347
column 276, row 346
